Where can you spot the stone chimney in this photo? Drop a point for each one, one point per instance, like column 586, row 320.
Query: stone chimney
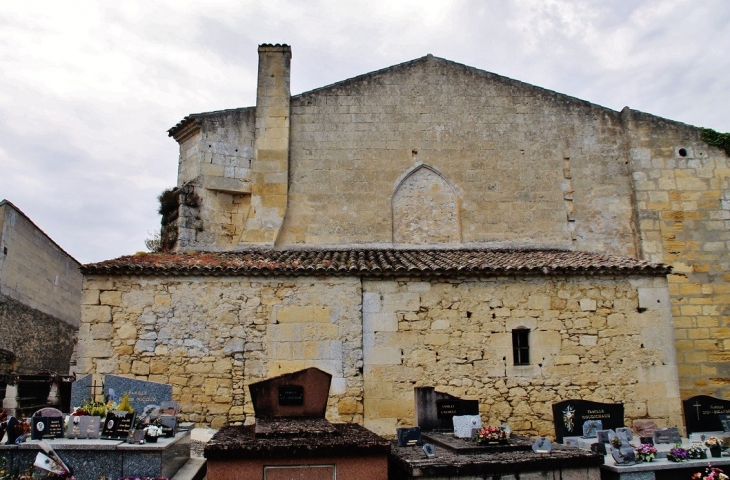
column 270, row 165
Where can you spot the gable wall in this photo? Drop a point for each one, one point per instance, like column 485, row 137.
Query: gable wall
column 521, row 159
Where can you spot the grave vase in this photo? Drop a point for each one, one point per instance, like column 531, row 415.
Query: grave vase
column 715, row 452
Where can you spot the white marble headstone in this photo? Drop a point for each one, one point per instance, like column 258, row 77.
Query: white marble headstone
column 464, row 424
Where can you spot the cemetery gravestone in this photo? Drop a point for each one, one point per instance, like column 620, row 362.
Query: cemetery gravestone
column 590, row 427
column 645, row 428
column 409, row 436
column 542, row 445
column 84, row 427
column 465, row 424
column 625, row 434
column 435, row 410
column 47, row 423
column 702, row 413
column 299, row 394
column 80, row 391
column 570, row 415
column 141, row 393
column 117, row 425
column 667, row 435
column 725, row 422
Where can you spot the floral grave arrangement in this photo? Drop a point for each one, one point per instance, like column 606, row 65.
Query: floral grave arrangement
column 491, row 434
column 677, row 454
column 711, row 473
column 713, row 442
column 695, row 452
column 646, row 452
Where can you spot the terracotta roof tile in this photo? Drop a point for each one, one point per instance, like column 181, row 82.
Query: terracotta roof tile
column 376, row 263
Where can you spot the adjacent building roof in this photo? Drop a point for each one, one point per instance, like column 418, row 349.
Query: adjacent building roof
column 377, row 263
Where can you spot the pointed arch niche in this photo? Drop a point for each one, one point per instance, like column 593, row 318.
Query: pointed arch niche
column 425, row 208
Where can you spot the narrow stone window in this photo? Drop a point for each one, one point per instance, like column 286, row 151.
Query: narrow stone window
column 521, row 346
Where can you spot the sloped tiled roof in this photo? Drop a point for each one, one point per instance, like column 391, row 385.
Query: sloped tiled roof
column 377, row 263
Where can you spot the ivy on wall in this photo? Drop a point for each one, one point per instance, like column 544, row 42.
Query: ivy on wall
column 716, row 139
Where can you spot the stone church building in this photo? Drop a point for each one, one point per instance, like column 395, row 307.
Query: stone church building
column 428, row 224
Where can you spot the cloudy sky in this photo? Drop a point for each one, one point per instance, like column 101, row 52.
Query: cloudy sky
column 88, row 89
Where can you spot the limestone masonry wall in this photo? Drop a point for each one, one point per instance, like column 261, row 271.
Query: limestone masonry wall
column 588, row 340
column 525, row 164
column 35, row 271
column 211, row 336
column 682, row 189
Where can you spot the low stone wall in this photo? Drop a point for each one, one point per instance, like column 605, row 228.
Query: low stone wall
column 211, row 337
column 590, row 337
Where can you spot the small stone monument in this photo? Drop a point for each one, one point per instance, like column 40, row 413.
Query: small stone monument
column 464, row 425
column 435, row 410
column 292, row 439
column 46, row 423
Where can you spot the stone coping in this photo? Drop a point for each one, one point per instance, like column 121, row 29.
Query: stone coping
column 287, row 427
column 99, row 444
column 232, row 443
column 449, row 463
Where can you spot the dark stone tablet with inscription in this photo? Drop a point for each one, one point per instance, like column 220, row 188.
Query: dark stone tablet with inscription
column 117, row 425
column 46, row 427
column 436, row 410
column 291, row 395
column 570, row 415
column 667, row 435
column 702, row 413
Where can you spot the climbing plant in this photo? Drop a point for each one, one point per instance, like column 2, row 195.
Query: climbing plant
column 716, row 139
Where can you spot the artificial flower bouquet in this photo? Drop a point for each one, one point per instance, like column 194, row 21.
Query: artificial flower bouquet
column 695, row 452
column 491, row 434
column 677, row 454
column 711, row 473
column 646, row 452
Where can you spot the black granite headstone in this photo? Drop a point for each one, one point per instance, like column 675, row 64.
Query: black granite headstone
column 725, row 422
column 409, row 436
column 570, row 415
column 46, row 427
column 702, row 413
column 435, row 410
column 117, row 425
